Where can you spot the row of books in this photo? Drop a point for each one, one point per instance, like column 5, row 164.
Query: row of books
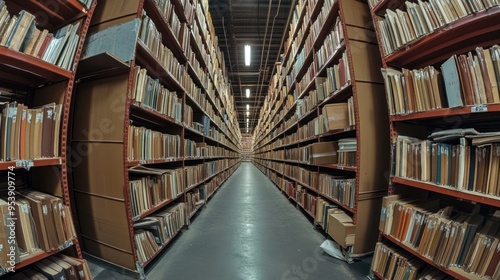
column 151, row 93
column 323, row 207
column 394, row 264
column 195, row 199
column 331, row 44
column 20, row 33
column 152, row 232
column 42, row 223
column 465, row 80
column 188, row 116
column 460, row 166
column 152, row 186
column 341, row 189
column 194, row 175
column 55, row 267
column 180, row 30
column 347, row 152
column 29, row 133
column 400, row 28
column 452, row 239
column 306, row 200
column 297, row 10
column 152, row 39
column 147, row 144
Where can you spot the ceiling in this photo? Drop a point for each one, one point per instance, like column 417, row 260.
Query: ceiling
column 261, row 24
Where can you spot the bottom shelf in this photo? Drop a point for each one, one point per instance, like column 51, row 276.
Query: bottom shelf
column 38, row 257
column 194, row 211
column 143, row 265
column 429, row 261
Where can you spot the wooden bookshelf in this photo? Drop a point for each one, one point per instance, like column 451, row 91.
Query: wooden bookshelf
column 34, row 83
column 111, row 98
column 456, row 38
column 365, row 87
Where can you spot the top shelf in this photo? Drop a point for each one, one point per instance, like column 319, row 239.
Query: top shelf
column 51, row 15
column 480, row 29
column 22, row 69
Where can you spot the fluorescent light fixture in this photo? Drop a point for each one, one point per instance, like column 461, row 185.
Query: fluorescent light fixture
column 248, row 93
column 248, row 119
column 248, row 113
column 248, row 107
column 247, row 55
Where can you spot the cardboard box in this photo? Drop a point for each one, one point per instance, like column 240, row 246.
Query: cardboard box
column 341, row 229
column 337, row 116
column 323, row 153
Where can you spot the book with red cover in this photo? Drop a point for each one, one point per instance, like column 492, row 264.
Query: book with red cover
column 44, row 45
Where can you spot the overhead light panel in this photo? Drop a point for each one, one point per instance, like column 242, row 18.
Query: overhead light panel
column 247, row 55
column 248, row 107
column 248, row 93
column 248, row 113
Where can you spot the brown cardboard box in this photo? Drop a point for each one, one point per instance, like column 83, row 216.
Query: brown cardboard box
column 323, row 153
column 341, row 229
column 337, row 116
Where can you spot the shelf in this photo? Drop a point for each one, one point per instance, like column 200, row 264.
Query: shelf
column 418, row 255
column 336, row 55
column 168, row 37
column 4, row 165
column 378, row 275
column 22, row 69
column 100, row 66
column 466, row 195
column 338, row 203
column 179, row 10
column 35, row 257
column 197, row 50
column 446, row 112
column 156, row 208
column 143, row 265
column 194, row 211
column 341, row 94
column 153, row 161
column 327, row 25
column 298, row 26
column 193, row 131
column 339, row 167
column 145, row 58
column 50, row 15
column 146, row 114
column 479, row 29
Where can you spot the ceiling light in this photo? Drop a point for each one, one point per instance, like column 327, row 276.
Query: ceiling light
column 248, row 93
column 248, row 107
column 248, row 113
column 248, row 119
column 247, row 55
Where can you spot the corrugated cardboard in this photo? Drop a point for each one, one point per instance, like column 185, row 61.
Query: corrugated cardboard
column 323, row 153
column 337, row 116
column 341, row 229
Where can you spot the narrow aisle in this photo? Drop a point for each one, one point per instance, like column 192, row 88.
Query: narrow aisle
column 250, row 231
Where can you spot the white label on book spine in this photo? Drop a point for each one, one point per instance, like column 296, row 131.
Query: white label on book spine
column 479, row 108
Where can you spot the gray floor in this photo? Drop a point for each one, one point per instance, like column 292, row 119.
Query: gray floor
column 250, row 231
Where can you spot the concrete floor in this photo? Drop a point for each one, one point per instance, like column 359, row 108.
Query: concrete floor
column 249, row 231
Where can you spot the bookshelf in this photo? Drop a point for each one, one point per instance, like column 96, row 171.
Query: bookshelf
column 160, row 114
column 328, row 38
column 465, row 32
column 32, row 87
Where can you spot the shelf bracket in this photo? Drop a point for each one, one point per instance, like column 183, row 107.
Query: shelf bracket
column 140, row 270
